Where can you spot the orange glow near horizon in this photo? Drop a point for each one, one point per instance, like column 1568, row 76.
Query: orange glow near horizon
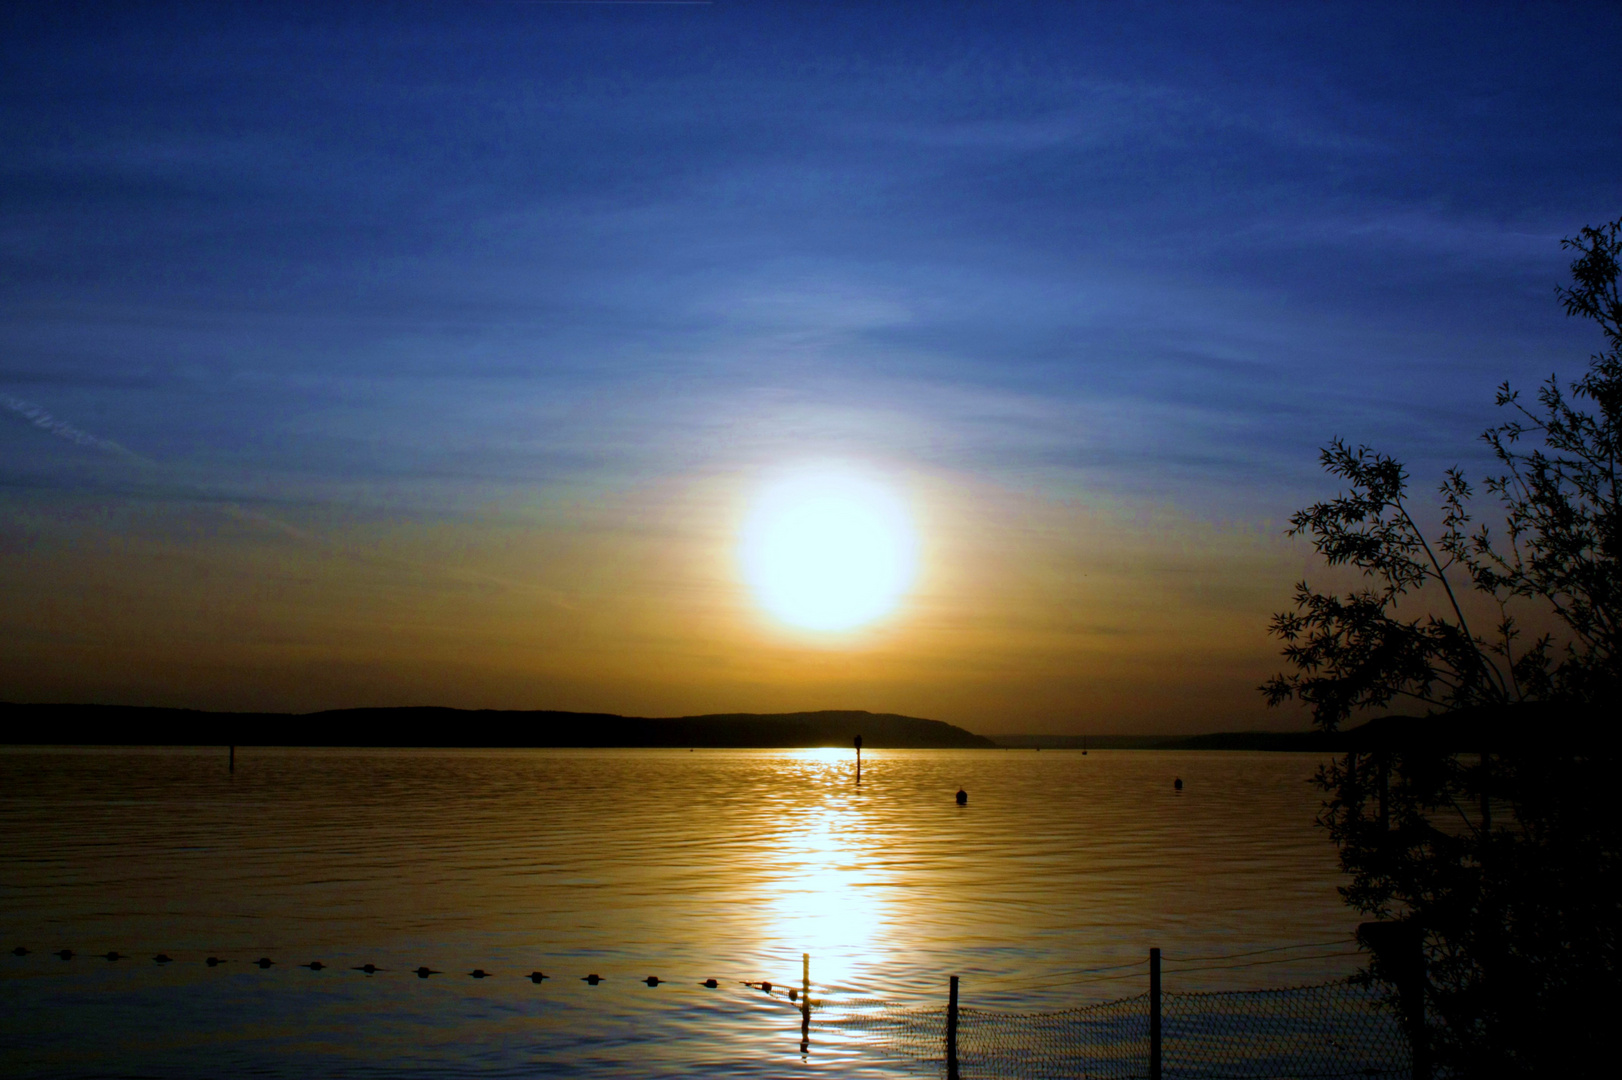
column 1020, row 614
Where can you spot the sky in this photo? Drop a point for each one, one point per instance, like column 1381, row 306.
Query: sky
column 440, row 352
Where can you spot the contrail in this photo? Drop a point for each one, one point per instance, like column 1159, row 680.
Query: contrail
column 36, row 415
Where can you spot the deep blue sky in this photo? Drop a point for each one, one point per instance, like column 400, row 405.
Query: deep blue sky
column 432, row 256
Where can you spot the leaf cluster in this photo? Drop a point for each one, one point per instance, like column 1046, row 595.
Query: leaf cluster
column 1560, row 542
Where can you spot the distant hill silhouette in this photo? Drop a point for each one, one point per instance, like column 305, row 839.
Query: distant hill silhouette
column 1501, row 729
column 428, row 726
column 1217, row 740
column 118, row 725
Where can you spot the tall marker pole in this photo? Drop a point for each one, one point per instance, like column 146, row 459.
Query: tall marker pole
column 858, row 759
column 951, row 1033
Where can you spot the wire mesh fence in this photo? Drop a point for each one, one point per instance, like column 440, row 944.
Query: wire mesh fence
column 1342, row 1028
column 1334, row 1029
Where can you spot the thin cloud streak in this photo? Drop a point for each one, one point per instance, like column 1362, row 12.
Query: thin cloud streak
column 36, row 415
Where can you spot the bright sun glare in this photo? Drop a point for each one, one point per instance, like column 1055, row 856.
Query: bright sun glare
column 828, row 550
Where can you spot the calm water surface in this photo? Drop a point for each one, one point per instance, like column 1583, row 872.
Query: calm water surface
column 627, row 863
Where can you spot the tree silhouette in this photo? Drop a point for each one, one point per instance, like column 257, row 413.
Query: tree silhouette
column 1506, row 857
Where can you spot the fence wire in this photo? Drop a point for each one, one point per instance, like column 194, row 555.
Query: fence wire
column 1328, row 1030
column 1333, row 1029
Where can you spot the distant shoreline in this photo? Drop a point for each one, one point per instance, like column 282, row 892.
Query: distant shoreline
column 429, row 727
column 1295, row 741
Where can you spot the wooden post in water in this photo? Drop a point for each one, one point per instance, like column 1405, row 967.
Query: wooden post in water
column 1154, row 1014
column 805, row 1003
column 951, row 1033
column 858, row 759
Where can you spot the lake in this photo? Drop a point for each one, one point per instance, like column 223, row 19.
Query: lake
column 723, row 864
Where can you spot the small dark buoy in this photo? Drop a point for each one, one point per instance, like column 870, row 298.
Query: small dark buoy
column 479, row 973
column 163, row 958
column 962, row 797
column 264, row 962
column 1177, row 784
column 711, row 983
column 535, row 977
column 424, row 972
column 314, row 965
column 766, row 986
column 370, row 969
column 793, row 994
column 66, row 954
column 214, row 961
column 19, row 951
column 652, row 980
column 592, row 979
column 112, row 956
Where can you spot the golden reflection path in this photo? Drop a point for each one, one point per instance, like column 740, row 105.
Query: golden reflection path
column 824, row 895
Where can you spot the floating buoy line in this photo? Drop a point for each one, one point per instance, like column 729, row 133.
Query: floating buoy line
column 264, row 963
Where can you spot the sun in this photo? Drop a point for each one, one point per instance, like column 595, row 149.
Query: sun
column 827, row 549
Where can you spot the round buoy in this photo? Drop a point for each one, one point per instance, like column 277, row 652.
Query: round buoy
column 1177, row 784
column 65, row 954
column 115, row 955
column 962, row 797
column 652, row 980
column 766, row 986
column 314, row 965
column 711, row 983
column 162, row 958
column 536, row 977
column 593, row 979
column 370, row 969
column 479, row 973
column 265, row 962
column 424, row 972
column 19, row 951
column 213, row 961
column 793, row 994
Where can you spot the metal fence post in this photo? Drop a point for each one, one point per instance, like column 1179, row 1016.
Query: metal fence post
column 1154, row 1014
column 951, row 1033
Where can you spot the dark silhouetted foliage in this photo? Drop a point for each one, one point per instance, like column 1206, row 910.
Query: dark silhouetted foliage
column 1506, row 857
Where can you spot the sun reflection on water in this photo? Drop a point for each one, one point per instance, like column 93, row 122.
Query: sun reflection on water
column 824, row 896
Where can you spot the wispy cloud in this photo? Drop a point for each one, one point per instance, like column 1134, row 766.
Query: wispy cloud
column 37, row 415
